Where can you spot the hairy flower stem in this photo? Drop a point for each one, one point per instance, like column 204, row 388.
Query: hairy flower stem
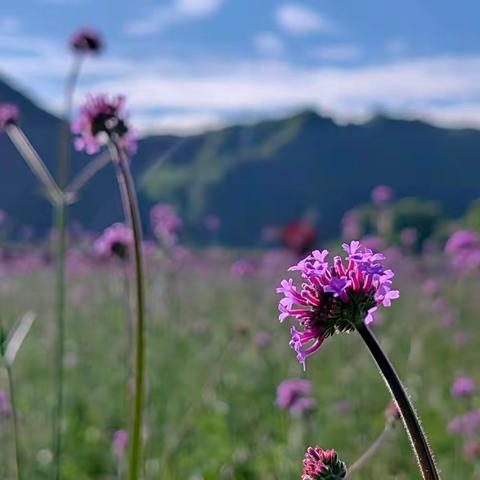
column 411, row 422
column 372, row 450
column 132, row 214
column 60, row 223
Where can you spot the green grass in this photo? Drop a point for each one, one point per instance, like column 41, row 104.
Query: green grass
column 210, row 410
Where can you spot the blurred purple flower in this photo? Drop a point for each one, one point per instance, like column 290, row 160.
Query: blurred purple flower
column 166, row 224
column 100, row 118
column 409, row 237
column 373, row 242
column 294, row 395
column 334, row 298
column 431, row 286
column 86, row 40
column 8, row 115
column 243, row 268
column 462, row 387
column 120, row 443
column 115, row 241
column 463, row 248
column 321, row 464
column 466, row 424
column 382, row 195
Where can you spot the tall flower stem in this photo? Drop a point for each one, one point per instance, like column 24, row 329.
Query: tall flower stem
column 411, row 422
column 132, row 214
column 60, row 221
column 60, row 289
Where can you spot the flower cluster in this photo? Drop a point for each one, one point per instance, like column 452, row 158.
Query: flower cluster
column 463, row 248
column 115, row 241
column 294, row 395
column 321, row 464
column 8, row 115
column 334, row 298
column 99, row 119
column 86, row 40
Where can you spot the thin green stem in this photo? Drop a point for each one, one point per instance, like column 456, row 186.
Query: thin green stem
column 60, row 222
column 132, row 214
column 411, row 422
column 371, row 451
column 13, row 407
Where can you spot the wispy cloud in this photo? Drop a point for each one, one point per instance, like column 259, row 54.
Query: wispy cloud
column 337, row 52
column 300, row 20
column 203, row 92
column 268, row 43
column 177, row 12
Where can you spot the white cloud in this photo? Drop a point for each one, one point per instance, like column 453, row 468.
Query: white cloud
column 215, row 90
column 299, row 20
column 268, row 43
column 177, row 12
column 338, row 52
column 186, row 123
column 198, row 7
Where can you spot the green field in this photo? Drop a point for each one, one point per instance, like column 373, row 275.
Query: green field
column 216, row 354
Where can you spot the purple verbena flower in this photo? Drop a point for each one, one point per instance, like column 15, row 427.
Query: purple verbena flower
column 115, row 241
column 99, row 119
column 462, row 387
column 382, row 195
column 86, row 40
column 166, row 223
column 321, row 464
column 8, row 115
column 294, row 395
column 334, row 297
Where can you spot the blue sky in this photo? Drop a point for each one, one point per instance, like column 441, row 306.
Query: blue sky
column 187, row 65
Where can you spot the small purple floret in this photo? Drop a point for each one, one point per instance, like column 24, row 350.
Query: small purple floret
column 8, row 115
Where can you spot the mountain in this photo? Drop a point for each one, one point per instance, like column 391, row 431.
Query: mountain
column 257, row 175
